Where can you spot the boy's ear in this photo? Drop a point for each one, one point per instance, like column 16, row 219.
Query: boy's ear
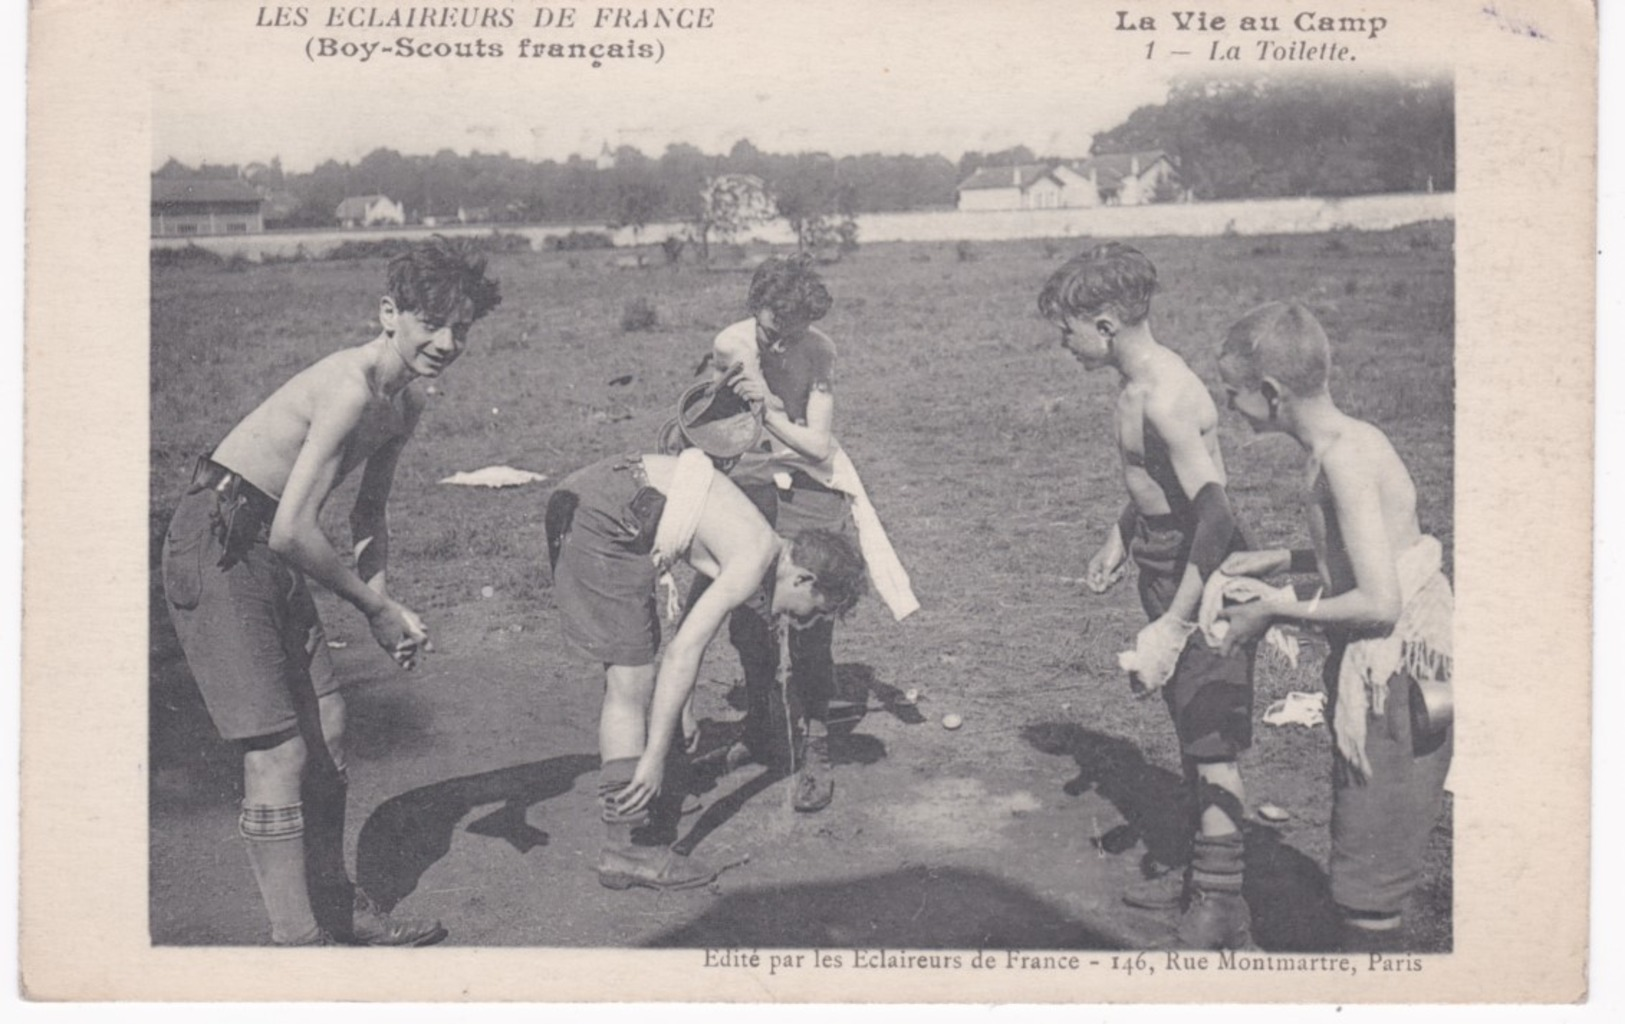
column 1270, row 388
column 388, row 314
column 1106, row 326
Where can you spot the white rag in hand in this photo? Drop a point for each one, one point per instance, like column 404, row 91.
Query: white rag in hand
column 1222, row 589
column 1156, row 653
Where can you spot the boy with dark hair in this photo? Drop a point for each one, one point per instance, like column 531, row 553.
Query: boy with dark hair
column 1383, row 602
column 613, row 528
column 235, row 559
column 1177, row 527
column 800, row 480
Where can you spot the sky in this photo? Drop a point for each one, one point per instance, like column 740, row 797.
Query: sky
column 835, row 76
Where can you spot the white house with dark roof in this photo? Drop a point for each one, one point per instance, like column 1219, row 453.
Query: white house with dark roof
column 1024, row 187
column 1129, row 179
column 205, row 206
column 365, row 211
column 1118, row 179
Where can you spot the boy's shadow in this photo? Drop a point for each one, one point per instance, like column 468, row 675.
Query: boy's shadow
column 405, row 835
column 1287, row 892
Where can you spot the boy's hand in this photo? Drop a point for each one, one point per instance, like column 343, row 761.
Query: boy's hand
column 645, row 784
column 1256, row 563
column 1107, row 565
column 1247, row 623
column 1156, row 654
column 400, row 633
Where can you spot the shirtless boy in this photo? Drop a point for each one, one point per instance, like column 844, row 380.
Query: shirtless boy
column 235, row 560
column 1177, row 527
column 612, row 529
column 1383, row 602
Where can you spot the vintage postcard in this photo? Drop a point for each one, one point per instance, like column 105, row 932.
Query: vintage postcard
column 809, row 502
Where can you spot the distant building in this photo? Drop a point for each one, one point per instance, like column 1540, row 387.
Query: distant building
column 1025, row 187
column 473, row 214
column 1117, row 179
column 606, row 159
column 1129, row 179
column 366, row 211
column 205, row 206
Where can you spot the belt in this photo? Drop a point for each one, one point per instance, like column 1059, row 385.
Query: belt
column 211, row 475
column 244, row 512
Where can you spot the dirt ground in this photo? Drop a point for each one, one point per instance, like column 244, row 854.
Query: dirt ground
column 988, row 453
column 472, row 802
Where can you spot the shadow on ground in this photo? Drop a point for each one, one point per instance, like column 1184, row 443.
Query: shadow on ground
column 1286, row 890
column 407, row 834
column 914, row 907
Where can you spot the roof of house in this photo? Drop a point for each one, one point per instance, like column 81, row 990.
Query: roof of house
column 1022, row 177
column 166, row 191
column 1111, row 168
column 357, row 206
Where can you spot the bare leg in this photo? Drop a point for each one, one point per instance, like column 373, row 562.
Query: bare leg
column 1223, row 797
column 623, row 723
column 622, row 735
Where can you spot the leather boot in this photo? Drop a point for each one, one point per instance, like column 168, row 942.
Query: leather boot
column 1216, row 914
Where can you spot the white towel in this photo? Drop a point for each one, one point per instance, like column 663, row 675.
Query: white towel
column 1220, row 588
column 685, row 501
column 1419, row 644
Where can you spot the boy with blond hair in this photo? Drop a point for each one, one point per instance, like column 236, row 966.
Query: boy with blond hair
column 1384, row 604
column 1177, row 527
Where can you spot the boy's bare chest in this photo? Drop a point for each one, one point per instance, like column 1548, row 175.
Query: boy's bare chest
column 382, row 421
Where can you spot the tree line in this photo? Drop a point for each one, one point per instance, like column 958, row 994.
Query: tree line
column 1263, row 137
column 1231, row 138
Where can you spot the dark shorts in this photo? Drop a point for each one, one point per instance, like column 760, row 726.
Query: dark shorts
column 601, row 523
column 1380, row 827
column 250, row 632
column 807, row 505
column 1209, row 696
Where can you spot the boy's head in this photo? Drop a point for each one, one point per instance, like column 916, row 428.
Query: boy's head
column 823, row 576
column 435, row 291
column 442, row 281
column 1096, row 294
column 786, row 294
column 1275, row 351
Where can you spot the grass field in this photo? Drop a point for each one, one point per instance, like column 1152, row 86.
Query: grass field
column 986, row 449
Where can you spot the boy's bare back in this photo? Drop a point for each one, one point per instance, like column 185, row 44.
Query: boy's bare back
column 1168, row 395
column 1360, row 468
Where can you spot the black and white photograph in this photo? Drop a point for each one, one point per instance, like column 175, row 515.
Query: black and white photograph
column 799, row 494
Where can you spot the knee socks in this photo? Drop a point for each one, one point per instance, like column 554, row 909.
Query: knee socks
column 275, row 839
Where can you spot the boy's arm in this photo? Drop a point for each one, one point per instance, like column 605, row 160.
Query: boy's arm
column 1375, row 600
column 1203, row 485
column 369, row 517
column 297, row 536
column 740, row 576
column 815, row 440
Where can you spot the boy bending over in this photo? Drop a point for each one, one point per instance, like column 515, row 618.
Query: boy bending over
column 1383, row 602
column 612, row 529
